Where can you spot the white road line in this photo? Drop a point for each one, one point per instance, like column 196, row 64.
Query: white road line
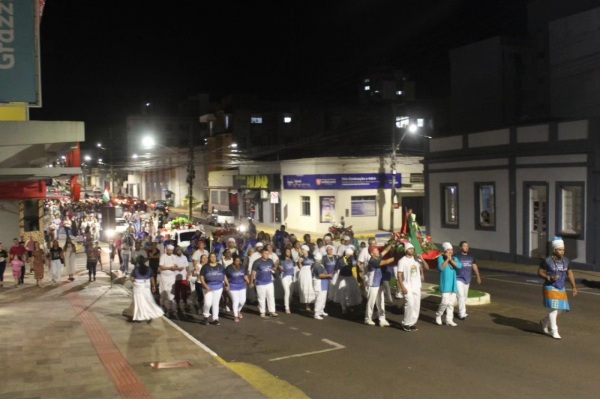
column 294, row 328
column 307, row 334
column 581, row 291
column 190, row 337
column 335, row 345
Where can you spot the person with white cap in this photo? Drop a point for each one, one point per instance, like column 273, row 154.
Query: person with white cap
column 410, row 278
column 262, row 277
column 326, row 242
column 321, row 282
column 555, row 270
column 447, row 265
column 168, row 270
column 305, row 284
column 341, row 249
column 463, row 278
column 347, row 290
column 376, row 292
column 231, row 245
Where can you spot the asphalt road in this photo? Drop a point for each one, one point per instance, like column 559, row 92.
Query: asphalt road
column 498, row 352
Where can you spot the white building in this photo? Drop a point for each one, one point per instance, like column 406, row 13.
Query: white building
column 508, row 192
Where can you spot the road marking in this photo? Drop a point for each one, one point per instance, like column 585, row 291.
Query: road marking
column 294, row 328
column 581, row 291
column 307, row 334
column 335, row 345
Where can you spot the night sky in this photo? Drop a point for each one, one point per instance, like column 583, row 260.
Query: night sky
column 102, row 59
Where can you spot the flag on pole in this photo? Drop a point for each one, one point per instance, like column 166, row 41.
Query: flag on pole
column 106, row 195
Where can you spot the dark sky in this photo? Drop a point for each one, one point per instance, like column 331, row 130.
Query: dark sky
column 102, row 59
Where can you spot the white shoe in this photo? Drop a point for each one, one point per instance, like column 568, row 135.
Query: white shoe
column 398, row 296
column 438, row 320
column 451, row 323
column 555, row 334
column 544, row 326
column 317, row 317
column 383, row 323
column 324, row 314
column 369, row 322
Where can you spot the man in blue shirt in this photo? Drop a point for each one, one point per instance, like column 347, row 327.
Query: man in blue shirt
column 376, row 291
column 447, row 265
column 463, row 278
column 262, row 276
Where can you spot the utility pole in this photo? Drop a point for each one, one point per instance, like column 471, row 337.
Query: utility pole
column 191, row 175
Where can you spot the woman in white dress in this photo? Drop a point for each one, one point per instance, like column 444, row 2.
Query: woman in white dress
column 305, row 283
column 70, row 249
column 144, row 286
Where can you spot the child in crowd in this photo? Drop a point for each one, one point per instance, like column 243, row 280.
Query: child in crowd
column 16, row 265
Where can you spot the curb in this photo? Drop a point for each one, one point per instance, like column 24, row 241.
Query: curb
column 428, row 292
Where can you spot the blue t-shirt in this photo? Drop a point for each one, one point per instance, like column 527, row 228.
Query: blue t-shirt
column 448, row 276
column 464, row 274
column 375, row 275
column 317, row 270
column 288, row 267
column 307, row 261
column 329, row 263
column 136, row 273
column 264, row 271
column 558, row 268
column 213, row 276
column 386, row 273
column 236, row 278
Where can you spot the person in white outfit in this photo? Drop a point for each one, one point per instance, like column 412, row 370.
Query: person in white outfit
column 168, row 268
column 410, row 278
column 287, row 269
column 305, row 284
column 213, row 279
column 321, row 281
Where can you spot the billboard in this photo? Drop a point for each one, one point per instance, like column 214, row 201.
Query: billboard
column 348, row 181
column 19, row 52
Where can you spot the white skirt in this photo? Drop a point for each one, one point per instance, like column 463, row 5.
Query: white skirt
column 347, row 291
column 305, row 285
column 144, row 305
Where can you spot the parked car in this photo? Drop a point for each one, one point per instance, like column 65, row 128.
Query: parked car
column 218, row 218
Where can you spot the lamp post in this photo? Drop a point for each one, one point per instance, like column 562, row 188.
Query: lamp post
column 407, row 128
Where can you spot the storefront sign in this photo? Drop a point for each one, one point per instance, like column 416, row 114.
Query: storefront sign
column 353, row 181
column 19, row 52
column 253, row 182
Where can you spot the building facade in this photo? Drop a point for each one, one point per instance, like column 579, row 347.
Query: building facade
column 510, row 191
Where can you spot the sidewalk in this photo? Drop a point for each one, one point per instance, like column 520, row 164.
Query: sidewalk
column 71, row 341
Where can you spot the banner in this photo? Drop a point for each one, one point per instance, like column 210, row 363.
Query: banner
column 19, row 52
column 355, row 181
column 327, row 209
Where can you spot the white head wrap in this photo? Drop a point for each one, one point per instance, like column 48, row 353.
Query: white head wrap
column 347, row 238
column 349, row 251
column 305, row 247
column 557, row 242
column 447, row 246
column 231, row 239
column 171, row 247
column 318, row 256
column 259, row 244
column 408, row 245
column 327, row 247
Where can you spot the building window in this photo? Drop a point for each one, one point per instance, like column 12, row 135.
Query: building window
column 449, row 205
column 417, row 178
column 485, row 206
column 402, row 121
column 570, row 208
column 365, row 205
column 287, row 118
column 256, row 120
column 305, row 205
column 214, row 196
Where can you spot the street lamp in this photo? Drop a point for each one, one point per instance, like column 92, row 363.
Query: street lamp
column 403, row 123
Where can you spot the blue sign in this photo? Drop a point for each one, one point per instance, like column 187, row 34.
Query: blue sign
column 19, row 51
column 354, row 181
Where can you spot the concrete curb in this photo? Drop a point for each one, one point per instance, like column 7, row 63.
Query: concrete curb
column 429, row 293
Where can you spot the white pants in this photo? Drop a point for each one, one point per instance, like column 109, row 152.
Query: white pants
column 266, row 293
column 550, row 319
column 288, row 289
column 463, row 293
column 321, row 297
column 447, row 305
column 375, row 297
column 56, row 270
column 167, row 297
column 412, row 306
column 211, row 300
column 238, row 300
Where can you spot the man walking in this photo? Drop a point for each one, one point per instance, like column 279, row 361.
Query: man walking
column 447, row 265
column 168, row 268
column 410, row 278
column 262, row 276
column 376, row 292
column 463, row 278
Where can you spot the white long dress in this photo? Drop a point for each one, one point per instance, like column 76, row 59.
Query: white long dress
column 144, row 305
column 305, row 283
column 70, row 260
